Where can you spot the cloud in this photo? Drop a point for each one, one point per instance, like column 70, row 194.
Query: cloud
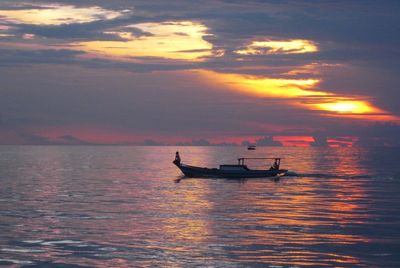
column 205, row 142
column 53, row 56
column 268, row 141
column 56, row 14
column 150, row 142
column 179, row 103
column 25, row 137
column 301, row 92
column 70, row 140
column 54, row 76
column 200, row 142
column 296, row 46
column 32, row 139
column 164, row 40
column 320, row 140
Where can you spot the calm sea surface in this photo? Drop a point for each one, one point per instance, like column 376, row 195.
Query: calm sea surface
column 116, row 206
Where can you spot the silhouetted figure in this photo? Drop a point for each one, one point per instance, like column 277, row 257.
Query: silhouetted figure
column 177, row 160
column 275, row 165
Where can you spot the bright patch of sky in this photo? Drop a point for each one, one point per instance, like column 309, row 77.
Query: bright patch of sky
column 298, row 90
column 294, row 46
column 179, row 40
column 57, row 14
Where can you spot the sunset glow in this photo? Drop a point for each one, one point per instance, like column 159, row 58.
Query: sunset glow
column 215, row 133
column 210, row 73
column 182, row 40
column 296, row 141
column 57, row 14
column 295, row 46
column 356, row 109
column 266, row 87
column 348, row 106
column 295, row 90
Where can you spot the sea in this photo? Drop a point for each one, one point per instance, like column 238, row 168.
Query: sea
column 129, row 206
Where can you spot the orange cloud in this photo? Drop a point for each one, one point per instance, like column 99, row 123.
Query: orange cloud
column 57, row 14
column 341, row 141
column 300, row 93
column 347, row 107
column 292, row 46
column 296, row 141
column 178, row 40
column 265, row 87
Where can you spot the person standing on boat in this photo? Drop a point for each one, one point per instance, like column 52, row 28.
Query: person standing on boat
column 177, row 160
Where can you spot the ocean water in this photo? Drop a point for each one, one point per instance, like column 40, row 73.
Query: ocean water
column 122, row 206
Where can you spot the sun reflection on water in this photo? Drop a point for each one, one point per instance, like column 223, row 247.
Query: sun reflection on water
column 119, row 206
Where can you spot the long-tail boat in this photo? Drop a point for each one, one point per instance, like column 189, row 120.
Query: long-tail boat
column 237, row 171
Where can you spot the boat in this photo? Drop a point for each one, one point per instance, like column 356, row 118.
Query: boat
column 251, row 147
column 238, row 171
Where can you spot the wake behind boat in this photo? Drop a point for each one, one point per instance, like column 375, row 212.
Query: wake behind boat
column 231, row 171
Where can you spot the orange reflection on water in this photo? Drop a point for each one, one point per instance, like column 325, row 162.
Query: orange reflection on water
column 347, row 193
column 293, row 226
column 188, row 223
column 303, row 211
column 124, row 198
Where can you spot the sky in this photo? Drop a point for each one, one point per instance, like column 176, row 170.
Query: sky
column 291, row 73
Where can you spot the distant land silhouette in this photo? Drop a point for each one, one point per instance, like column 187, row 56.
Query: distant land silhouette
column 318, row 140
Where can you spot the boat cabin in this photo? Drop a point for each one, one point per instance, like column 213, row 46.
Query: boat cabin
column 275, row 165
column 233, row 167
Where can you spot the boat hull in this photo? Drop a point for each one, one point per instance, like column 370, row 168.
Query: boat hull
column 200, row 172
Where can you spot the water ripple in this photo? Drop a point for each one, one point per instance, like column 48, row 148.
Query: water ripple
column 112, row 206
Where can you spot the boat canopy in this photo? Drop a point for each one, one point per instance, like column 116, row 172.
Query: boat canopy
column 276, row 159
